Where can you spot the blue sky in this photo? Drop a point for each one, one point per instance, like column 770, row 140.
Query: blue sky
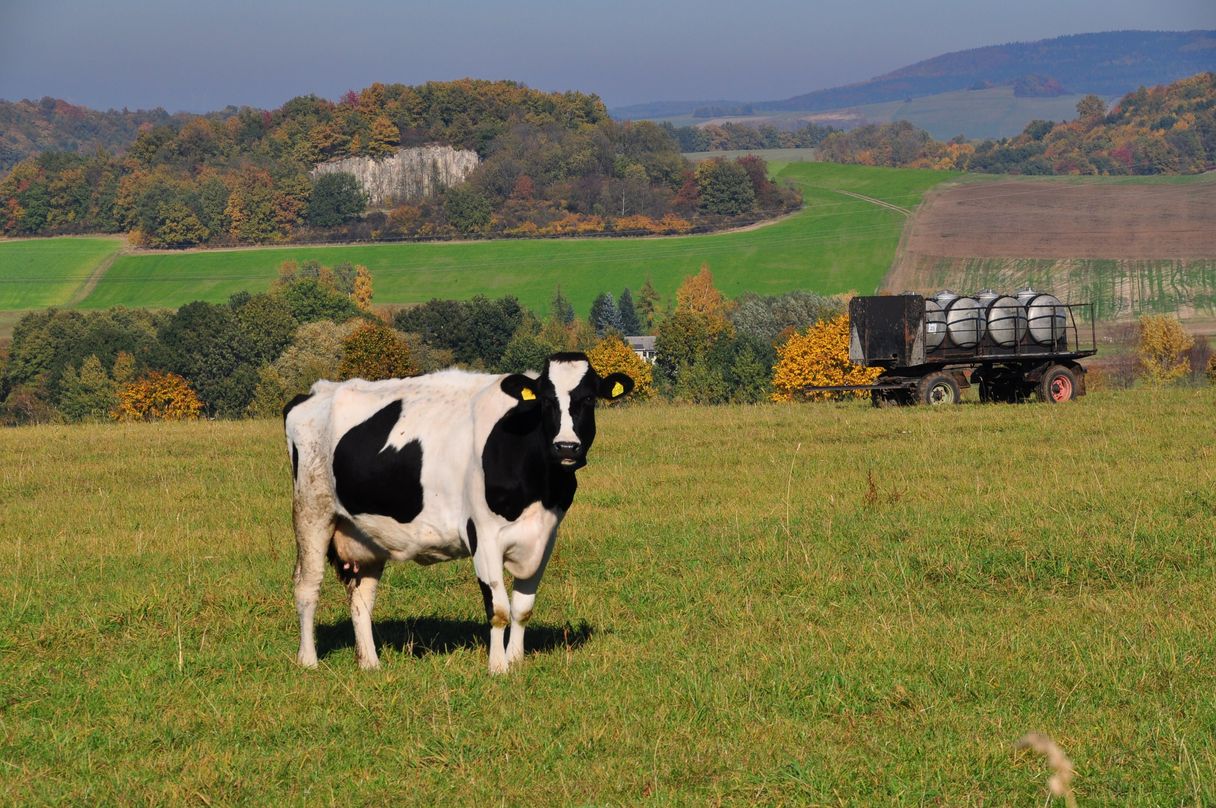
column 203, row 55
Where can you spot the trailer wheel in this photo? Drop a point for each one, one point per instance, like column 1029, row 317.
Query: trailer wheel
column 1058, row 384
column 938, row 388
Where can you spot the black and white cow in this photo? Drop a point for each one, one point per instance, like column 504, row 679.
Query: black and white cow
column 434, row 468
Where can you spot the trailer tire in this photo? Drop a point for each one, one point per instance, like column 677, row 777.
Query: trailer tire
column 1058, row 384
column 938, row 388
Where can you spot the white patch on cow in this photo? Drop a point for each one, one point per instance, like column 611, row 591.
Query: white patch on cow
column 565, row 376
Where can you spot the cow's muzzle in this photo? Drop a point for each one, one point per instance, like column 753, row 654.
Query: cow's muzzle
column 568, row 453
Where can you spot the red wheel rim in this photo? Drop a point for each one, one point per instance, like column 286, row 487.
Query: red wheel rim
column 1061, row 389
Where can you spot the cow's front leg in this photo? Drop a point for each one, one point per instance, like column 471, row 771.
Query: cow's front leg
column 522, row 599
column 361, row 589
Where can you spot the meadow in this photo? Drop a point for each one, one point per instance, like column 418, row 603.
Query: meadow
column 37, row 273
column 809, row 604
column 836, row 244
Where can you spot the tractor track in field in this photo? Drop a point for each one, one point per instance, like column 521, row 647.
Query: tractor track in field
column 870, row 199
column 90, row 283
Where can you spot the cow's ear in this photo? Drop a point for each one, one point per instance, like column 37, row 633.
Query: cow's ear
column 615, row 385
column 519, row 386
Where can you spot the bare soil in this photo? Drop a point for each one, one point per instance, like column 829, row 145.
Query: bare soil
column 1026, row 219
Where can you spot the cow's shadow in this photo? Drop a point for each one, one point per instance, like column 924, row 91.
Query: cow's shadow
column 419, row 636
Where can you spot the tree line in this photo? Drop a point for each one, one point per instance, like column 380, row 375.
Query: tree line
column 551, row 164
column 247, row 356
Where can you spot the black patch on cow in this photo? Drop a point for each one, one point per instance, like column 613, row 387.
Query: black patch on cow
column 295, row 461
column 373, row 478
column 487, row 598
column 472, row 531
column 518, row 468
column 295, row 402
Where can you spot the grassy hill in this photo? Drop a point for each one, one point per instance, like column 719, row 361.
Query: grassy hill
column 772, row 605
column 836, row 244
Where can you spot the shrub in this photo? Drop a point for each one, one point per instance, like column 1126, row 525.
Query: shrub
column 820, row 357
column 375, row 351
column 612, row 355
column 157, row 396
column 1161, row 348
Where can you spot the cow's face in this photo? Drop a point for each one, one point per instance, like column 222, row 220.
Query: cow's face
column 566, row 393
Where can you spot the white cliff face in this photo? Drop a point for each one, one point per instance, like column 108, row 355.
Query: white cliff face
column 407, row 175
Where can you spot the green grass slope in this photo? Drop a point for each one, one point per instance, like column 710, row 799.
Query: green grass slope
column 36, row 273
column 800, row 605
column 836, row 244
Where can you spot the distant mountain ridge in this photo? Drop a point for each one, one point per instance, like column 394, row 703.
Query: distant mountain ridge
column 1108, row 64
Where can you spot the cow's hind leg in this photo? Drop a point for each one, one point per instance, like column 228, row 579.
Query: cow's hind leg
column 487, row 563
column 361, row 589
column 313, row 535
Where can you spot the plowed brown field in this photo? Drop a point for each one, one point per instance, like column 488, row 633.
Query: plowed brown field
column 1131, row 248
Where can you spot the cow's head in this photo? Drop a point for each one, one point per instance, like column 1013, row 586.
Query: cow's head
column 565, row 395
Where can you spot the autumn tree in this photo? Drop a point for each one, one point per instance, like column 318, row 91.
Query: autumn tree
column 362, row 293
column 1161, row 347
column 157, row 396
column 612, row 355
column 818, row 357
column 698, row 295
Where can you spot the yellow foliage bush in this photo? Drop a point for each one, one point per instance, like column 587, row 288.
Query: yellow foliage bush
column 819, row 357
column 157, row 396
column 1162, row 348
column 612, row 355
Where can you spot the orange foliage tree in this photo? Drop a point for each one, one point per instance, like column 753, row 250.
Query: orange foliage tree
column 612, row 355
column 698, row 295
column 819, row 357
column 157, row 396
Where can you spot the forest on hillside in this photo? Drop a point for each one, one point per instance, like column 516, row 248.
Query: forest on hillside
column 550, row 164
column 1169, row 129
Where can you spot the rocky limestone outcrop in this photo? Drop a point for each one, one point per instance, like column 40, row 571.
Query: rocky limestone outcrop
column 407, row 175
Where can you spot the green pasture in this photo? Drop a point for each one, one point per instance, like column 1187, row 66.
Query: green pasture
column 777, row 605
column 836, row 244
column 36, row 273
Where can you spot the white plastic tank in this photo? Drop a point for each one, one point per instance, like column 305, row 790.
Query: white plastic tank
column 935, row 325
column 1006, row 320
column 963, row 322
column 985, row 297
column 1047, row 319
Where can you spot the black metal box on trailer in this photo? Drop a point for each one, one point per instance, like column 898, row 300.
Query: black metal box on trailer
column 887, row 331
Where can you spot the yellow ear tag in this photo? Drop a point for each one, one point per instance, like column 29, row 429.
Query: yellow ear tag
column 617, row 389
column 527, row 395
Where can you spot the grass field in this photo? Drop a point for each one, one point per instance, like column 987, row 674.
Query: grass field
column 802, row 605
column 36, row 273
column 836, row 244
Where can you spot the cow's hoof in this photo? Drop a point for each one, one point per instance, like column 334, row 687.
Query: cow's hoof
column 498, row 667
column 369, row 664
column 307, row 661
column 514, row 656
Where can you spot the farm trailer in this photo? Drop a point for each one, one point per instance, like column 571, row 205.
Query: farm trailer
column 1011, row 348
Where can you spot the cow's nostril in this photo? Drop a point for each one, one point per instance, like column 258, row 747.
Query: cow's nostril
column 568, row 448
